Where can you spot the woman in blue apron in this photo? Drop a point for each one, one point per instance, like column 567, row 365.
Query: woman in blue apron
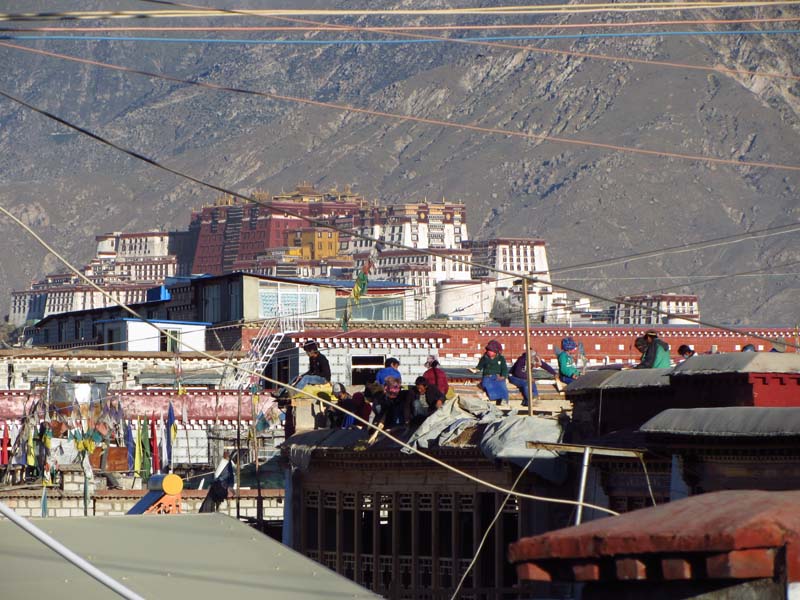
column 494, row 371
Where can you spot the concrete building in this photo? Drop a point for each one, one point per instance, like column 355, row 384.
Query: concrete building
column 415, row 225
column 656, row 309
column 520, row 256
column 423, row 272
column 125, row 265
column 135, row 335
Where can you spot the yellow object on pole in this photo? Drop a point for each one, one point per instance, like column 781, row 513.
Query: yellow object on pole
column 172, row 484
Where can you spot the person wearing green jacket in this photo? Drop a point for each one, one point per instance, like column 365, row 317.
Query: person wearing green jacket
column 655, row 351
column 568, row 369
column 494, row 371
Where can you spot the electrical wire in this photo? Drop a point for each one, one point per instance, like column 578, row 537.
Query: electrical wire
column 516, row 48
column 683, row 248
column 403, row 28
column 647, row 479
column 422, row 252
column 489, row 530
column 372, row 42
column 545, row 9
column 297, row 391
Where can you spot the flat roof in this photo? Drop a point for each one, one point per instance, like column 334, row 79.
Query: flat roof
column 727, row 421
column 195, row 556
column 740, row 362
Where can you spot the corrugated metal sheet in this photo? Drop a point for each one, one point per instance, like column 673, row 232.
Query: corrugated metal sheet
column 175, row 556
column 740, row 362
column 733, row 421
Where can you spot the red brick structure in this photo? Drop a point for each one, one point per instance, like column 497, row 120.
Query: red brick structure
column 466, row 341
column 705, row 543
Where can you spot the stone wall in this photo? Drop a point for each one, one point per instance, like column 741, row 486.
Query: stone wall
column 65, row 499
column 28, row 503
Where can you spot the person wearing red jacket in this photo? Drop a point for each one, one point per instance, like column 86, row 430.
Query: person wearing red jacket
column 435, row 376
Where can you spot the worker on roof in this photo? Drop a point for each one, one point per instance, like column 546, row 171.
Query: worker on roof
column 390, row 369
column 389, row 404
column 493, row 369
column 422, row 400
column 685, row 352
column 319, row 369
column 568, row 370
column 435, row 376
column 518, row 376
column 655, row 351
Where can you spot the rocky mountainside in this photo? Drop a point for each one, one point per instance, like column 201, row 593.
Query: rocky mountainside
column 586, row 202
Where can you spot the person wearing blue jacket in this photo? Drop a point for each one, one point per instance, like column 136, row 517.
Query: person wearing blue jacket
column 389, row 370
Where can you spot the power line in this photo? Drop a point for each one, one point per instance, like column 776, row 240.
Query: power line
column 546, row 9
column 514, row 47
column 371, row 42
column 404, row 28
column 682, row 248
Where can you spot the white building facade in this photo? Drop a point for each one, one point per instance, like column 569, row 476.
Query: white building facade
column 125, row 266
column 657, row 309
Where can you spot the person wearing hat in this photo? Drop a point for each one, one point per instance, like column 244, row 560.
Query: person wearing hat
column 435, row 376
column 340, row 392
column 390, row 369
column 493, row 369
column 655, row 352
column 568, row 370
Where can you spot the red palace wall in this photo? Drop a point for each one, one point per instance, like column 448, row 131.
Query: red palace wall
column 614, row 343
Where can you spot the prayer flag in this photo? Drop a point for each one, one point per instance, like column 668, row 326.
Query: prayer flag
column 172, row 432
column 137, row 455
column 4, row 445
column 129, row 444
column 154, row 446
column 147, row 467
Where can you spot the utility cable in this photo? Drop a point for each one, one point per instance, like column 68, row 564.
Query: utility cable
column 404, row 28
column 489, row 530
column 372, row 42
column 422, row 252
column 545, row 9
column 683, row 248
column 514, row 47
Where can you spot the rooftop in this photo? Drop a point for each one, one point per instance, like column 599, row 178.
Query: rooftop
column 175, row 556
column 722, row 535
column 740, row 362
column 729, row 421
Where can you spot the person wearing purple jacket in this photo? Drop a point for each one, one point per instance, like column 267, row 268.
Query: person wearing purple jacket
column 518, row 376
